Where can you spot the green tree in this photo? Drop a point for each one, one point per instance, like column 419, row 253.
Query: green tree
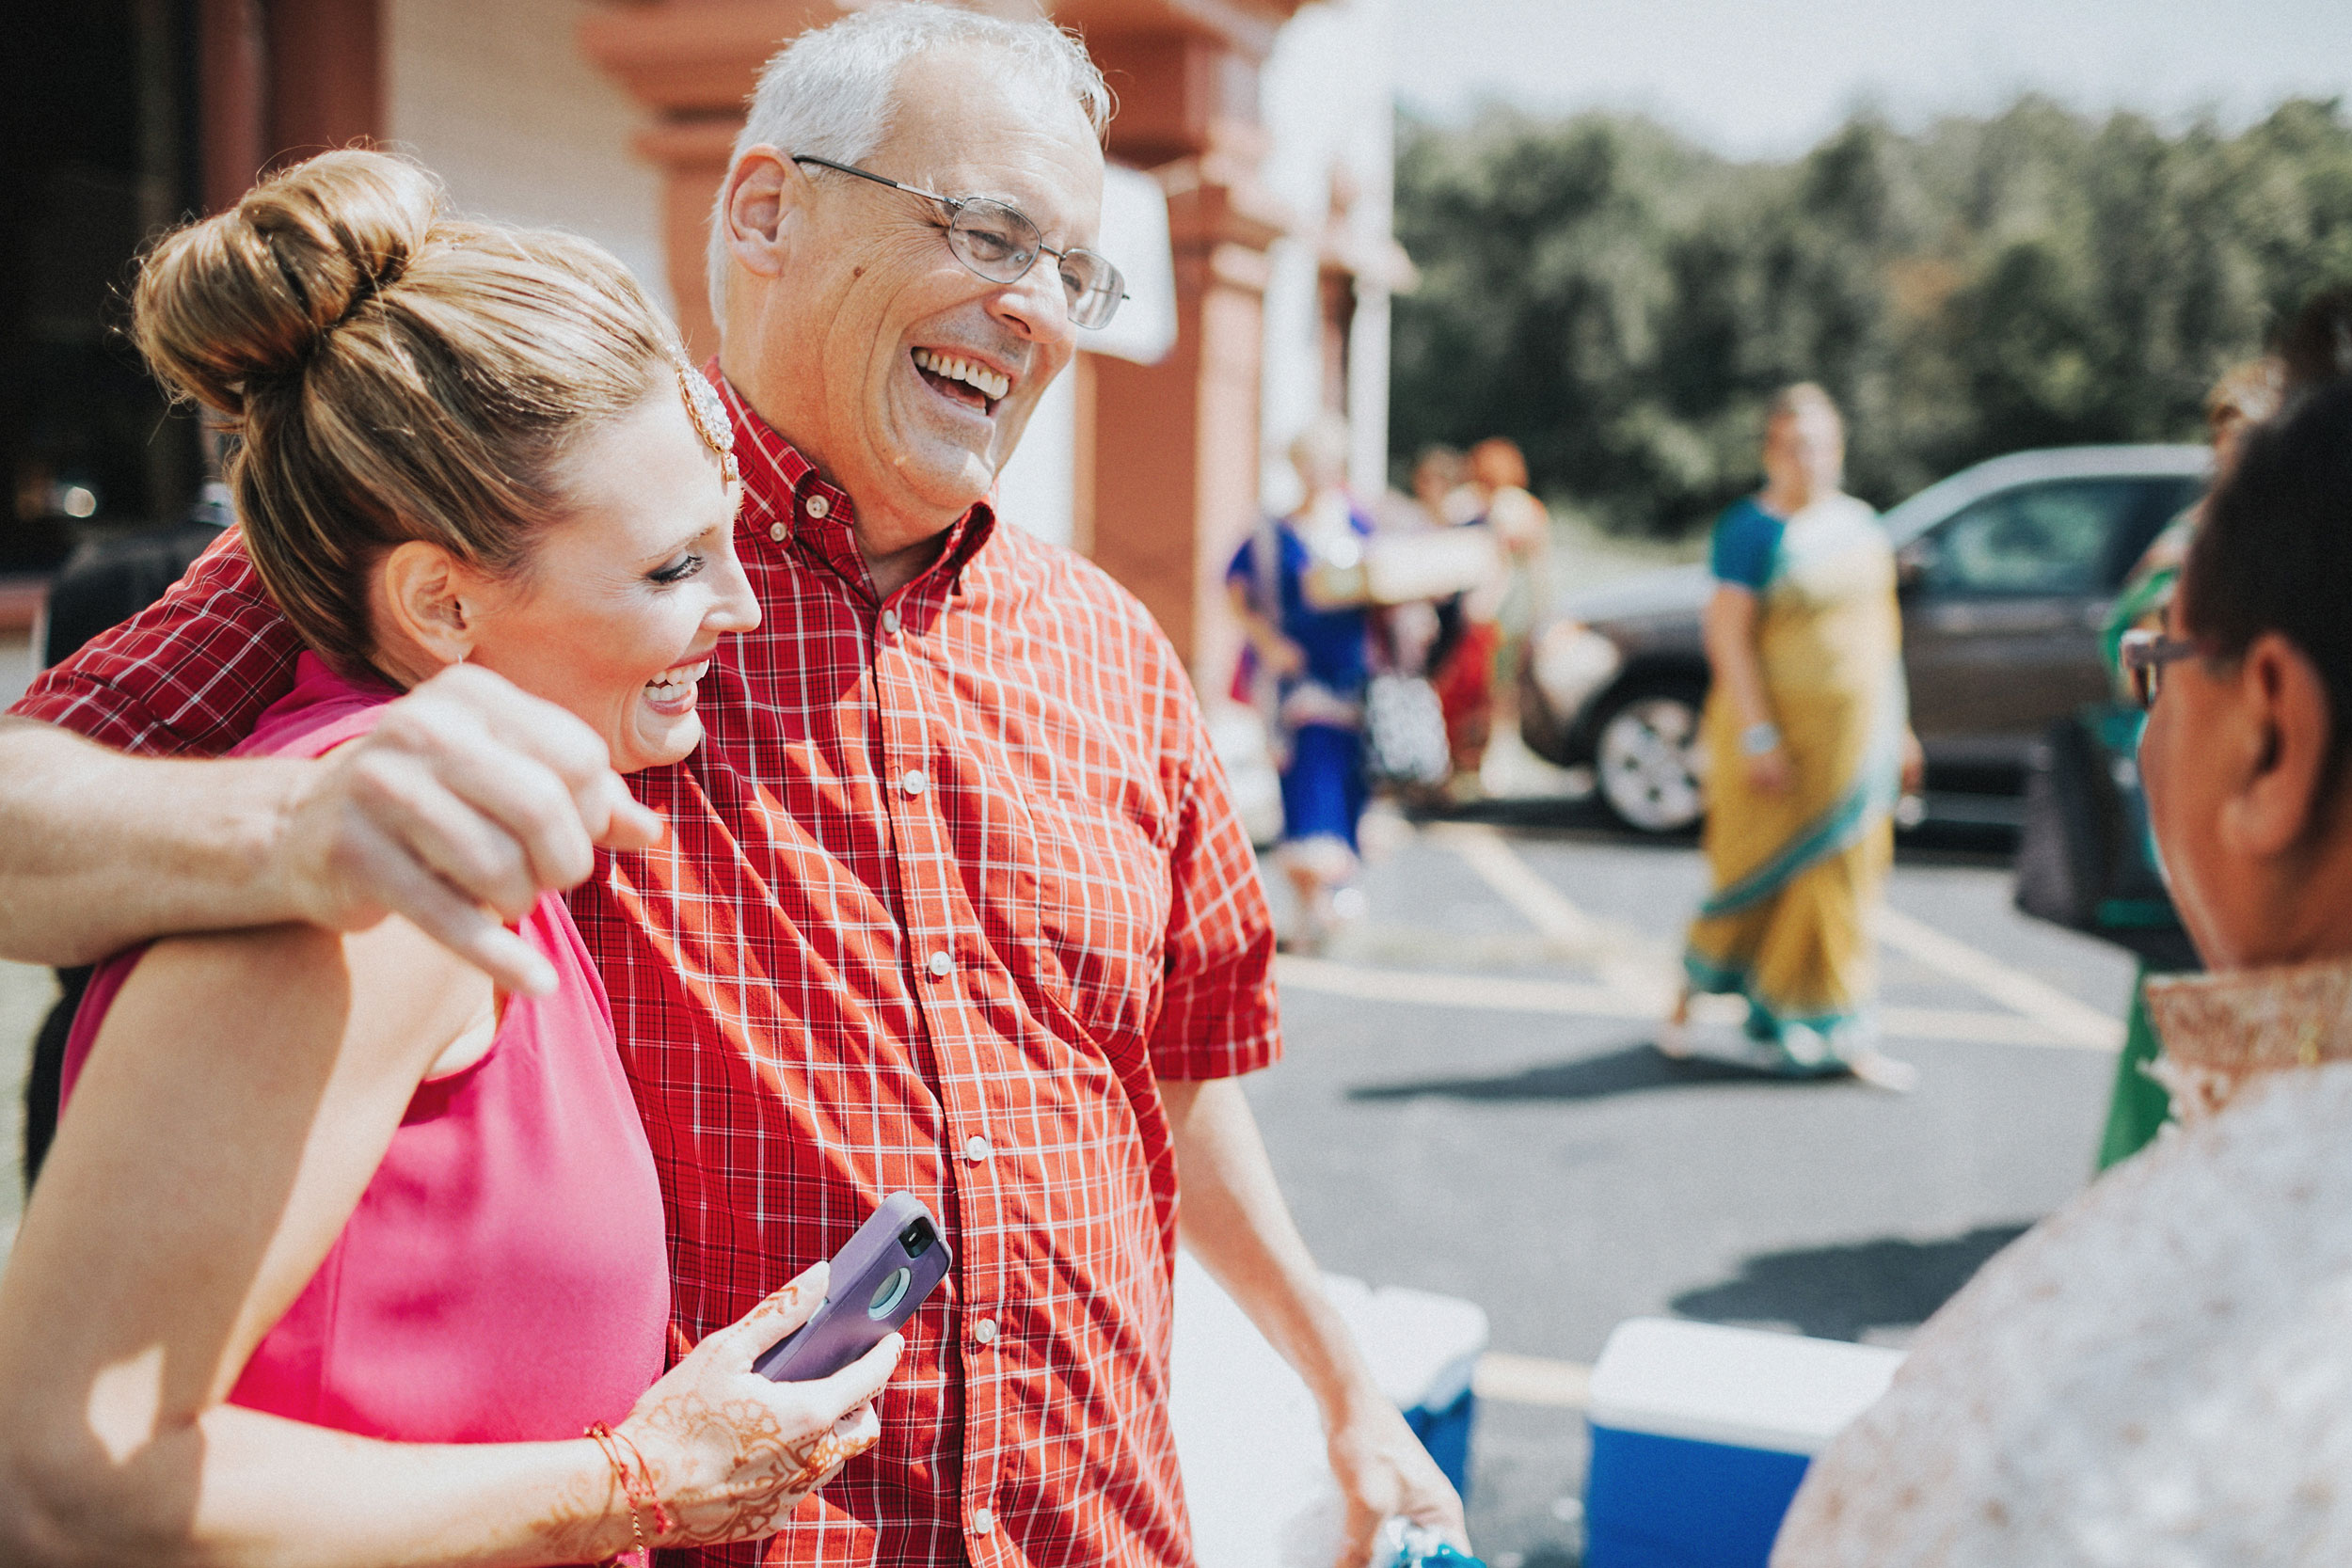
column 1621, row 303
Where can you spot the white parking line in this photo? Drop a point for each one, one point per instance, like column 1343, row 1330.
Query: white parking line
column 1637, row 978
column 2075, row 1022
column 1504, row 993
column 1531, row 1380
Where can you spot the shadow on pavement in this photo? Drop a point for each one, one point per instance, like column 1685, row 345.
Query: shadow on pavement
column 1837, row 1293
column 1634, row 1069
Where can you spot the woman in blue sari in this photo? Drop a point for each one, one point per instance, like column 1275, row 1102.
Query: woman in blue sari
column 1309, row 661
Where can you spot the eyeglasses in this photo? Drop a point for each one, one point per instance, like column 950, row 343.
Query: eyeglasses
column 1000, row 244
column 2144, row 654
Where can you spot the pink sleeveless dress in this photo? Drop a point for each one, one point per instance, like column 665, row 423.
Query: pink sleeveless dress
column 504, row 1277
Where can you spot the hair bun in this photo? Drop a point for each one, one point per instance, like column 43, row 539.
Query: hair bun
column 231, row 303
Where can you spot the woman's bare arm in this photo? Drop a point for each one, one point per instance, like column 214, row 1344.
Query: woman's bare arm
column 242, row 1093
column 1728, row 628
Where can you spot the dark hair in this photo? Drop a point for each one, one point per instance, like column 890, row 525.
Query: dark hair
column 2274, row 552
column 2317, row 346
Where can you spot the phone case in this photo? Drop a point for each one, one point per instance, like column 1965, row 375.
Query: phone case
column 897, row 1259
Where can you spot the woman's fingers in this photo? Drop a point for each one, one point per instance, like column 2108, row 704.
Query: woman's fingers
column 861, row 1380
column 743, row 1341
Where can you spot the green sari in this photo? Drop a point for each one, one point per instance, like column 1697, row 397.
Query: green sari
column 1797, row 875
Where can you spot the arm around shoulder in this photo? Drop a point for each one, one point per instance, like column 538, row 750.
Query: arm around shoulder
column 100, row 849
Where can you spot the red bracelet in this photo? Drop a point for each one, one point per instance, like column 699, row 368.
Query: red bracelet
column 637, row 1487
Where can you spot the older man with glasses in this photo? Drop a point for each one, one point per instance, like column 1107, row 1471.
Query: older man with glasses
column 952, row 899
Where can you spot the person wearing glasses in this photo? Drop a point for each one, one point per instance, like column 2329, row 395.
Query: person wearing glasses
column 952, row 899
column 2157, row 1373
column 2245, row 396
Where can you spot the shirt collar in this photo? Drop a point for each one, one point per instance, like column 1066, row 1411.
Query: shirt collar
column 2223, row 1030
column 787, row 502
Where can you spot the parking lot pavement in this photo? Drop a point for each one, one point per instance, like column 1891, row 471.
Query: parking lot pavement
column 1471, row 1104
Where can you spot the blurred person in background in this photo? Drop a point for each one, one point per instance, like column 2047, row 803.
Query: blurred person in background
column 1808, row 748
column 1308, row 660
column 1479, row 630
column 2243, row 398
column 2161, row 1373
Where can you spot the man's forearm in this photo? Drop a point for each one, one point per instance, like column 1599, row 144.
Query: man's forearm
column 1233, row 1218
column 99, row 850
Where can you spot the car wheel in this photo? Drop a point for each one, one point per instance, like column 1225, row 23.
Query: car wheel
column 1648, row 763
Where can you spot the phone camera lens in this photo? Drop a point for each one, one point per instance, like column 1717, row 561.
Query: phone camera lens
column 916, row 1239
column 891, row 1292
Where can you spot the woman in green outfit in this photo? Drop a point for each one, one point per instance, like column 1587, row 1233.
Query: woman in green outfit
column 2243, row 398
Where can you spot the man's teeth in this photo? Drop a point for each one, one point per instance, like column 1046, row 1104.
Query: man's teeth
column 676, row 682
column 988, row 383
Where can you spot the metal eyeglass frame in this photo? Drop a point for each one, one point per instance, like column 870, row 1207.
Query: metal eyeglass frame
column 1083, row 311
column 2143, row 655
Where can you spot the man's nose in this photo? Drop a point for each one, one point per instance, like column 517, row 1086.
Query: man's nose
column 1036, row 305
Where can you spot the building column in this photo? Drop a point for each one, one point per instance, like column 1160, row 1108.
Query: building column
column 1175, row 488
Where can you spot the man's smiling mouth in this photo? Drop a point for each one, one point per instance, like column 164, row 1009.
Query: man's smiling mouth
column 961, row 380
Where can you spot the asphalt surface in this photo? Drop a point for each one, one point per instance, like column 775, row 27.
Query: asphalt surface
column 1492, row 1141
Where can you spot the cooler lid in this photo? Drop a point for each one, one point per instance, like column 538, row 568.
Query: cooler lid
column 1740, row 1386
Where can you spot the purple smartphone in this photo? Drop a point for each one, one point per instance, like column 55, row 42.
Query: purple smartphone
column 896, row 1259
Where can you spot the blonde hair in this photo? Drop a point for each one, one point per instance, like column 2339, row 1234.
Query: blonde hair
column 1801, row 398
column 394, row 374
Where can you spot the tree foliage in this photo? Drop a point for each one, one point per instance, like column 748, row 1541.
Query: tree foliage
column 1622, row 302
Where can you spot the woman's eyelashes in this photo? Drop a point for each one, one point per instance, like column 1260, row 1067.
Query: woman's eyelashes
column 678, row 571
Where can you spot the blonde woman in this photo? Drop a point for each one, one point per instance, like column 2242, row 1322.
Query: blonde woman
column 342, row 1256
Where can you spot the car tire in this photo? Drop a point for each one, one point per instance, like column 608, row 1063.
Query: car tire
column 1648, row 765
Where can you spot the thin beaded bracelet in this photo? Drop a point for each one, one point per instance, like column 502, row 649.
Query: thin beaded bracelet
column 636, row 1484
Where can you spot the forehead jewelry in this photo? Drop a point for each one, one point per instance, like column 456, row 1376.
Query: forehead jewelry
column 711, row 418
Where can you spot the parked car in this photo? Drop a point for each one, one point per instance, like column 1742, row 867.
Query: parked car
column 2007, row 572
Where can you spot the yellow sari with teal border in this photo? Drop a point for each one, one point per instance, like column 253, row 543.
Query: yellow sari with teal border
column 1796, row 874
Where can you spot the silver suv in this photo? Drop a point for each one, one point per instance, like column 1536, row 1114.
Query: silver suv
column 2008, row 571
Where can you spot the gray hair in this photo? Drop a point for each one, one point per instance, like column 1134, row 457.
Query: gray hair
column 831, row 92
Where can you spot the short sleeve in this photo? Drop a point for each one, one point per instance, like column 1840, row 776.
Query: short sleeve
column 187, row 676
column 1218, row 1016
column 1745, row 541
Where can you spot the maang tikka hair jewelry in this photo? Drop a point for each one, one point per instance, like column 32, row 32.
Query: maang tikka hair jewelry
column 711, row 418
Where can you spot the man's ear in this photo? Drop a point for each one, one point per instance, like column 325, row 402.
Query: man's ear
column 764, row 189
column 2283, row 700
column 421, row 604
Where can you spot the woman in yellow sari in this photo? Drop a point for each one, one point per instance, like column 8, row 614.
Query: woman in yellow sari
column 1809, row 746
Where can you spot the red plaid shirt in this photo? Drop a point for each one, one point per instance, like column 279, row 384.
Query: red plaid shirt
column 953, row 880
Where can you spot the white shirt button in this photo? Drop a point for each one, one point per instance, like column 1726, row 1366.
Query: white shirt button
column 778, row 532
column 976, row 1149
column 912, row 781
column 890, row 621
column 985, row 1331
column 942, row 962
column 983, row 1520
column 819, row 506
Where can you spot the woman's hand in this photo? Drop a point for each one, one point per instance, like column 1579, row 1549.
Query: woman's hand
column 732, row 1454
column 1771, row 773
column 1915, row 764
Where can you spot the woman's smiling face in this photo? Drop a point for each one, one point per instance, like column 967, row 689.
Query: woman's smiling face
column 620, row 606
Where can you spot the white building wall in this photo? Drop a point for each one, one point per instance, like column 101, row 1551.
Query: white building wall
column 1326, row 95
column 494, row 97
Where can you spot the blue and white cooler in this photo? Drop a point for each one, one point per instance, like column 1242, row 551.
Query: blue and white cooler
column 1701, row 1434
